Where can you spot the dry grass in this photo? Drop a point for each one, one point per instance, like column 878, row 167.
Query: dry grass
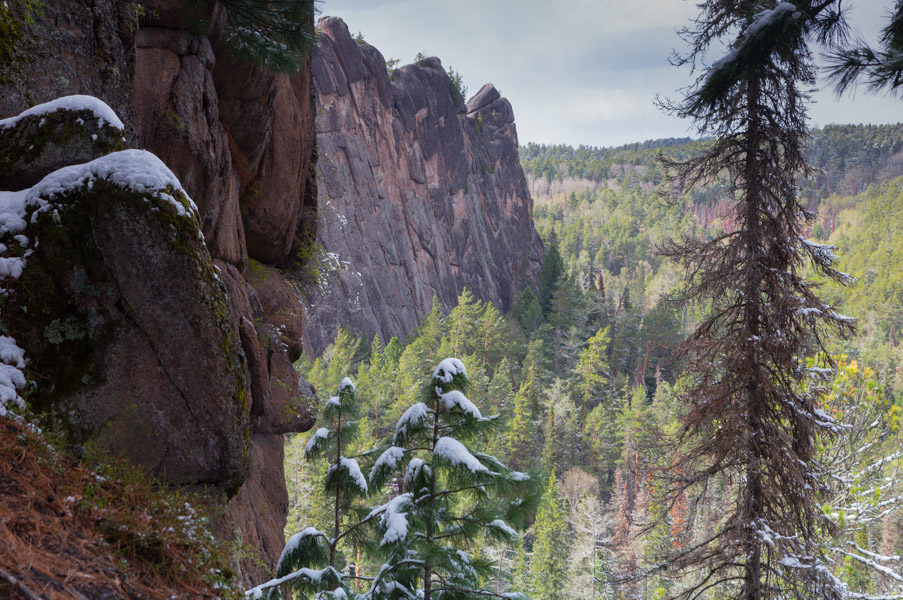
column 67, row 532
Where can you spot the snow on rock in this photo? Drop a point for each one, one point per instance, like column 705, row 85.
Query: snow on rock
column 136, row 170
column 394, row 520
column 354, row 470
column 448, row 368
column 320, row 434
column 11, row 377
column 455, row 398
column 12, row 211
column 456, row 453
column 103, row 113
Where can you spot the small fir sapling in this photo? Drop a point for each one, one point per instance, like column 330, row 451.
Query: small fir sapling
column 451, row 496
column 310, row 564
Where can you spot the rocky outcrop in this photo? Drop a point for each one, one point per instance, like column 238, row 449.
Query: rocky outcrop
column 180, row 351
column 422, row 194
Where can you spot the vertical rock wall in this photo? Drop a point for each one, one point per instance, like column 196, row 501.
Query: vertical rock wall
column 421, row 194
column 241, row 141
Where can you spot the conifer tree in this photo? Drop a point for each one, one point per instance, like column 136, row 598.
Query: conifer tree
column 549, row 566
column 748, row 419
column 463, row 325
column 520, row 577
column 552, row 268
column 452, row 496
column 276, row 33
column 527, row 311
column 882, row 68
column 344, row 484
column 521, row 431
column 592, row 370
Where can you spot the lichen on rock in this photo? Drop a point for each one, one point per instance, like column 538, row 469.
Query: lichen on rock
column 125, row 320
column 38, row 142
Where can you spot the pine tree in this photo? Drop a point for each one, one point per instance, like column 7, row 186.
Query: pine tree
column 521, row 431
column 592, row 370
column 276, row 33
column 344, row 484
column 584, row 558
column 552, row 268
column 527, row 311
column 748, row 419
column 520, row 578
column 463, row 326
column 549, row 566
column 882, row 68
column 452, row 496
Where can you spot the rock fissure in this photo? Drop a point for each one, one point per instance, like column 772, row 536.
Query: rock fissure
column 164, row 368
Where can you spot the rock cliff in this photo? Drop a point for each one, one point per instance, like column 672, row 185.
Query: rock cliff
column 421, row 193
column 162, row 331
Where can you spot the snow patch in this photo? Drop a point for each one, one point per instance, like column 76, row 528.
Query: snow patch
column 103, row 113
column 455, row 398
column 415, row 416
column 388, row 460
column 346, row 383
column 448, row 368
column 354, row 470
column 136, row 170
column 11, row 377
column 394, row 520
column 320, row 434
column 414, row 468
column 504, row 527
column 457, row 454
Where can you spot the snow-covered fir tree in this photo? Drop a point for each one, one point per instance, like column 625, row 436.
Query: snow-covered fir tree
column 451, row 496
column 309, row 564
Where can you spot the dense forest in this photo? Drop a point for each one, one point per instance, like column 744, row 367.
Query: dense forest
column 587, row 380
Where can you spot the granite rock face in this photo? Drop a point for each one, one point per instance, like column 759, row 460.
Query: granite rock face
column 421, row 194
column 241, row 142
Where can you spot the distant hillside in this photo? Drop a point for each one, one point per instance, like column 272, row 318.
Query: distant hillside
column 850, row 157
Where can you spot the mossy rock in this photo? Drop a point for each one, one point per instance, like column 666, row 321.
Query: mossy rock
column 37, row 145
column 129, row 336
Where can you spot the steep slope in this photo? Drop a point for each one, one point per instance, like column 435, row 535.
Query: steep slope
column 421, row 194
column 159, row 332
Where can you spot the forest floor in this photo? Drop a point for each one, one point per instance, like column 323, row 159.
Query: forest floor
column 68, row 532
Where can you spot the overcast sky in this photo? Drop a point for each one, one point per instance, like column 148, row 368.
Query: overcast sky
column 576, row 71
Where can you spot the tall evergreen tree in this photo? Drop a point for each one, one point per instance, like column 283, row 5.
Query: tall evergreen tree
column 552, row 268
column 748, row 418
column 549, row 568
column 592, row 370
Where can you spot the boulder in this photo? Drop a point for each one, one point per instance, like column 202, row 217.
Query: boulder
column 126, row 324
column 67, row 131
